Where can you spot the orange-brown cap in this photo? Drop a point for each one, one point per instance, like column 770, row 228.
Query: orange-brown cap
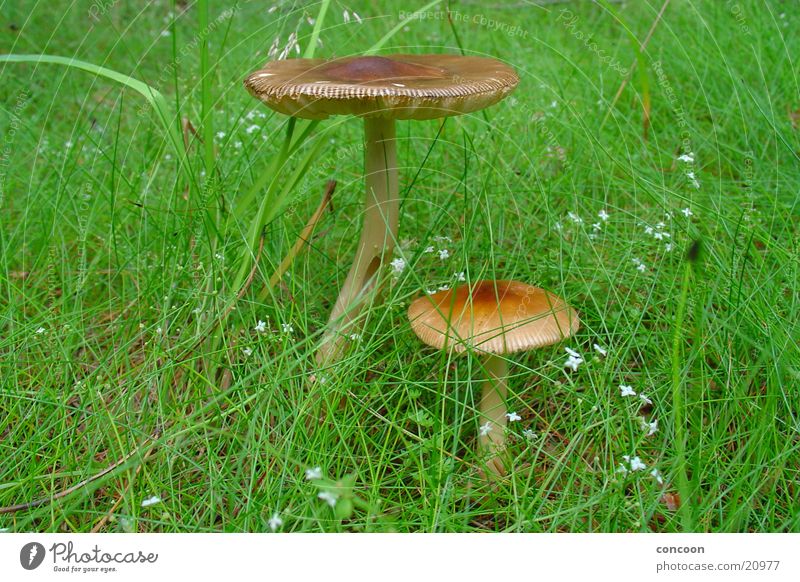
column 395, row 86
column 498, row 317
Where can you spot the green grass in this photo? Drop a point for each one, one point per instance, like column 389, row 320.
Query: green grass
column 127, row 260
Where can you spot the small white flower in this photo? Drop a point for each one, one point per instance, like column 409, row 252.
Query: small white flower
column 687, row 212
column 346, row 16
column 645, row 399
column 513, row 416
column 529, row 434
column 329, row 498
column 637, row 464
column 572, row 352
column 41, row 330
column 247, row 352
column 398, row 265
column 356, row 337
column 459, row 276
column 250, row 115
column 220, row 134
column 573, row 362
column 575, row 218
column 485, row 429
column 603, row 215
column 260, row 327
column 287, row 328
column 626, row 390
column 429, row 249
column 430, row 291
column 668, row 247
column 315, row 473
column 600, row 350
column 558, row 226
column 154, row 500
column 641, row 268
column 356, row 16
column 444, row 254
column 688, row 158
column 652, row 427
column 657, row 476
column 444, row 287
column 272, row 9
column 68, row 144
column 159, row 330
column 275, row 522
column 252, row 128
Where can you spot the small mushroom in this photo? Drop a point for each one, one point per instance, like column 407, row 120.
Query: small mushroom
column 496, row 318
column 381, row 90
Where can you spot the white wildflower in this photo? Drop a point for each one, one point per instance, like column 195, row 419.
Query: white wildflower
column 315, row 473
column 603, row 215
column 252, row 128
column 687, row 212
column 275, row 522
column 247, row 352
column 459, row 276
column 626, row 390
column 398, row 265
column 444, row 254
column 154, row 500
column 645, row 399
column 529, row 434
column 688, row 158
column 600, row 350
column 287, row 328
column 575, row 218
column 329, row 498
column 657, row 476
column 260, row 327
column 513, row 416
column 485, row 429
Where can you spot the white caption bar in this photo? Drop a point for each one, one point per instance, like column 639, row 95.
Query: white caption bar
column 401, row 557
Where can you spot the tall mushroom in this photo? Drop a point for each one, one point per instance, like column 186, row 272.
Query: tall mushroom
column 381, row 90
column 496, row 318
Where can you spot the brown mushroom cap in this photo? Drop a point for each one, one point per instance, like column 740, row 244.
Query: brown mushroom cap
column 395, row 86
column 499, row 317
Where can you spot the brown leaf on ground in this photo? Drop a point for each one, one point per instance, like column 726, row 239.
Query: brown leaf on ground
column 672, row 501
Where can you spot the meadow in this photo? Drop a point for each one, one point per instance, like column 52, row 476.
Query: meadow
column 159, row 320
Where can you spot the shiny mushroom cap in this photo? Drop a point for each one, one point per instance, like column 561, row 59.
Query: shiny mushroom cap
column 499, row 317
column 395, row 86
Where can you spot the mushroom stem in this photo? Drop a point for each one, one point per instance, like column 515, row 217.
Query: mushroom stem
column 493, row 410
column 381, row 212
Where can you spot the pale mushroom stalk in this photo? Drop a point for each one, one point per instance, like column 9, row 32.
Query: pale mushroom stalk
column 378, row 236
column 493, row 406
column 496, row 318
